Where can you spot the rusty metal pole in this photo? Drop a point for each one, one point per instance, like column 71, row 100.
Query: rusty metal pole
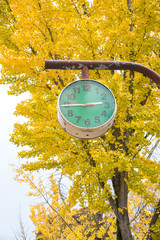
column 85, row 72
column 102, row 65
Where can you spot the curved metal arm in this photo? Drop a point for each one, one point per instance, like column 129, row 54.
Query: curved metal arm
column 103, row 65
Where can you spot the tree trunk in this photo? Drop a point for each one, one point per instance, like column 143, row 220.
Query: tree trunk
column 121, row 187
column 119, row 236
column 153, row 222
column 124, row 226
column 121, row 191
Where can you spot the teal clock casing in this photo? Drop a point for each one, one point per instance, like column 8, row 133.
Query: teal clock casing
column 86, row 109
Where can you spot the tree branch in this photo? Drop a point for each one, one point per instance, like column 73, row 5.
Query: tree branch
column 153, row 222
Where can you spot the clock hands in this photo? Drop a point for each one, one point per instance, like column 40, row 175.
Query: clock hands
column 81, row 104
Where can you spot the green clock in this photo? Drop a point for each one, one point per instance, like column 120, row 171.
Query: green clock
column 86, row 109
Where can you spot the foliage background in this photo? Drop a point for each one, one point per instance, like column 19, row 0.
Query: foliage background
column 33, row 31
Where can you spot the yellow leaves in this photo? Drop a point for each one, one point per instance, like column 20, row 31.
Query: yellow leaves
column 101, row 30
column 59, row 220
column 140, row 215
column 101, row 232
column 120, row 210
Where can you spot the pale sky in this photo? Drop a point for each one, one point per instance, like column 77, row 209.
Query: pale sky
column 12, row 194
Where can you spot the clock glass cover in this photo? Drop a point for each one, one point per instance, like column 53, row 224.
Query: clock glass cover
column 87, row 103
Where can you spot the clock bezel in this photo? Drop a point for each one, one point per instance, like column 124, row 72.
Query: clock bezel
column 84, row 132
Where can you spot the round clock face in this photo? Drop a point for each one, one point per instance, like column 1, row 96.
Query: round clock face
column 87, row 104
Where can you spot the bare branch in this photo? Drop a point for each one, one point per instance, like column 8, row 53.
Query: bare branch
column 23, row 232
column 47, row 202
column 153, row 148
column 153, row 222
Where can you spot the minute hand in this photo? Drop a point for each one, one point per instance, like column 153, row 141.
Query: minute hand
column 81, row 104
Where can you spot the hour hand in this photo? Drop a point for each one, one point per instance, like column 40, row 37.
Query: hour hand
column 81, row 104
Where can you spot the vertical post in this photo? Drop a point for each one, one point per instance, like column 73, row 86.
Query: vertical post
column 85, row 72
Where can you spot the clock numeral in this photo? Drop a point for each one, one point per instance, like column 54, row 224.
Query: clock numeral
column 78, row 118
column 97, row 90
column 70, row 113
column 104, row 114
column 87, row 122
column 104, row 96
column 70, row 96
column 107, row 105
column 65, row 102
column 86, row 88
column 97, row 119
column 76, row 90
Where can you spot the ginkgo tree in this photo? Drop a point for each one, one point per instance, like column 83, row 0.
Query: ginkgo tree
column 105, row 170
column 54, row 218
